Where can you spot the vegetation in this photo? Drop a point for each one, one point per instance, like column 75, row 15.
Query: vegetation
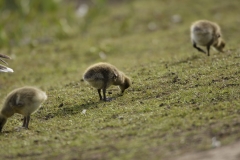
column 180, row 98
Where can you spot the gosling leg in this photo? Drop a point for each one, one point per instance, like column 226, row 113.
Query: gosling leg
column 208, row 50
column 199, row 49
column 99, row 93
column 104, row 94
column 27, row 121
column 24, row 121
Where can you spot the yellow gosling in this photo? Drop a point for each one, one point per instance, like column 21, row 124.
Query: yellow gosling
column 103, row 75
column 25, row 101
column 206, row 33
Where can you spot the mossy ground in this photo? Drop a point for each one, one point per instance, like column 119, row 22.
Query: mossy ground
column 180, row 98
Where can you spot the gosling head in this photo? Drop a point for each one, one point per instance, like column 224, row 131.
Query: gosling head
column 220, row 45
column 126, row 83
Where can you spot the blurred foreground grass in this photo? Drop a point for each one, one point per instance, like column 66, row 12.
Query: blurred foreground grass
column 180, row 98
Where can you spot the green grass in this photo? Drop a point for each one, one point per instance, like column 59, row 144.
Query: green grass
column 179, row 99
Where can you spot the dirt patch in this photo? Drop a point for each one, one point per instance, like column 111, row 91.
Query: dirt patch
column 230, row 152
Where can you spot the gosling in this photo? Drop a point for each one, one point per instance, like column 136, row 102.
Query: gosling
column 2, row 67
column 206, row 33
column 25, row 101
column 103, row 75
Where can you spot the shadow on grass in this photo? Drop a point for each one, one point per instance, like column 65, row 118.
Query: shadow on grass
column 186, row 60
column 76, row 109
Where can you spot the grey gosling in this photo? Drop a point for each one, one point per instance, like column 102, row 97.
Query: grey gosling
column 206, row 33
column 103, row 75
column 2, row 67
column 25, row 101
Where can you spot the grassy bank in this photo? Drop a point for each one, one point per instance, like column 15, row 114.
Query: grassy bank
column 180, row 99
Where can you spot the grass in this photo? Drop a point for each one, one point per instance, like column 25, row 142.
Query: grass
column 179, row 99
